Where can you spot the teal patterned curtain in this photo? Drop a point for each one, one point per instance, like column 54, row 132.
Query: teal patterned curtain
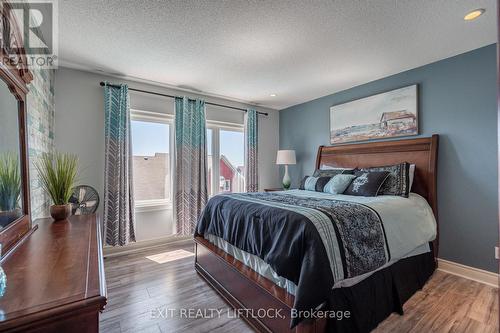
column 118, row 186
column 251, row 151
column 191, row 163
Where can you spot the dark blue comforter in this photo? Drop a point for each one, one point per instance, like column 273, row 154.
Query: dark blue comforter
column 312, row 242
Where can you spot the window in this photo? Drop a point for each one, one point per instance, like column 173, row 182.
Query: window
column 210, row 167
column 225, row 144
column 231, row 160
column 152, row 161
column 152, row 142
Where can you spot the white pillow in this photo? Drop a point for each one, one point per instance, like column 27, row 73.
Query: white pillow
column 327, row 167
column 411, row 175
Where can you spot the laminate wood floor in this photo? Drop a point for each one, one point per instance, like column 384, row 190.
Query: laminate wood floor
column 145, row 296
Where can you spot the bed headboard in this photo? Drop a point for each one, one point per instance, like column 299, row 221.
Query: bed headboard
column 421, row 151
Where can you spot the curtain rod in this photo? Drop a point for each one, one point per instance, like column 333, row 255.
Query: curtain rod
column 171, row 96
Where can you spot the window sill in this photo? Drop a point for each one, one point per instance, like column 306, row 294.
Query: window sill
column 153, row 205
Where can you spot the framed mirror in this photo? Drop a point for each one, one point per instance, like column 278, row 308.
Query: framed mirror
column 15, row 221
column 11, row 189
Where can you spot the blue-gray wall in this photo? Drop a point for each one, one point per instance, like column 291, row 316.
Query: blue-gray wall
column 457, row 101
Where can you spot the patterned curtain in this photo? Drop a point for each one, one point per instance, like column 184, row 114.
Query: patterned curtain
column 191, row 163
column 118, row 186
column 251, row 151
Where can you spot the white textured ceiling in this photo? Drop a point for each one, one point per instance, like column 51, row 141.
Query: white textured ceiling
column 246, row 50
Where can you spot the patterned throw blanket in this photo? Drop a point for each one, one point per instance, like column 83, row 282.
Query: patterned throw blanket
column 312, row 242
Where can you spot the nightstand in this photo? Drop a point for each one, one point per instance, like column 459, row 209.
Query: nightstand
column 273, row 189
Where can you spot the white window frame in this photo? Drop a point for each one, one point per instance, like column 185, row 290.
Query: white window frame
column 162, row 118
column 216, row 127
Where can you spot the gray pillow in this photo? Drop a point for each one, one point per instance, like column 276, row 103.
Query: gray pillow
column 310, row 183
column 338, row 184
column 332, row 172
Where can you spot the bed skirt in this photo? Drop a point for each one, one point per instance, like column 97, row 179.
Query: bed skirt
column 372, row 300
column 369, row 302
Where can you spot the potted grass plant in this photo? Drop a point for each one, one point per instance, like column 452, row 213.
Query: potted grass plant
column 10, row 188
column 58, row 175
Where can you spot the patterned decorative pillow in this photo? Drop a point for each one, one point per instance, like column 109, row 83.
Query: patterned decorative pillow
column 317, row 184
column 338, row 184
column 367, row 184
column 398, row 182
column 332, row 172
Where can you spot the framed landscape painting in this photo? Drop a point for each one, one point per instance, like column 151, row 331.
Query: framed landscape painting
column 386, row 115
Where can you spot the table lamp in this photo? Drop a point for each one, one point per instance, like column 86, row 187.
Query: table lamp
column 286, row 157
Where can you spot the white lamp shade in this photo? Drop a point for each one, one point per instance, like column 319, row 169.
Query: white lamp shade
column 286, row 157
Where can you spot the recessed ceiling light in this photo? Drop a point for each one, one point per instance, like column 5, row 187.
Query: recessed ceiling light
column 273, row 95
column 474, row 14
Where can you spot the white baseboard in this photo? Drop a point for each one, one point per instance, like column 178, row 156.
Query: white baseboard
column 468, row 272
column 110, row 251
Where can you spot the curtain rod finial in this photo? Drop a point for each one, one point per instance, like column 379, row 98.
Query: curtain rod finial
column 102, row 84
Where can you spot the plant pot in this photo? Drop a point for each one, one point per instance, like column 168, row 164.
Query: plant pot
column 60, row 212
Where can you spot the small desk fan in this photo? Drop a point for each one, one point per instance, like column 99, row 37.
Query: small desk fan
column 84, row 200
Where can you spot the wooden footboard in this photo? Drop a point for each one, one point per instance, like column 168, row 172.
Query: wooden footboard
column 261, row 303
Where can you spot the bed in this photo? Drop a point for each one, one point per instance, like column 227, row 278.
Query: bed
column 301, row 275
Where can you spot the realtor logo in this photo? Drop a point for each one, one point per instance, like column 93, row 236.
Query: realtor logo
column 29, row 33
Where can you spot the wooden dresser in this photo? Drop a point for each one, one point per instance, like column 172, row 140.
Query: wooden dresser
column 55, row 279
